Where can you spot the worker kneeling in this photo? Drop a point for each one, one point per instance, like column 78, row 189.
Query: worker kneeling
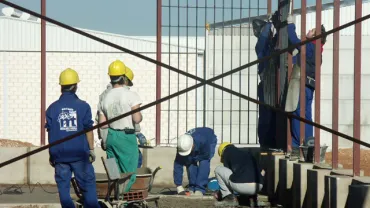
column 240, row 174
column 65, row 117
column 195, row 150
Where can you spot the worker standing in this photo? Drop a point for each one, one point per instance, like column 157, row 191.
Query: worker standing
column 130, row 76
column 240, row 173
column 66, row 116
column 195, row 150
column 121, row 142
column 310, row 81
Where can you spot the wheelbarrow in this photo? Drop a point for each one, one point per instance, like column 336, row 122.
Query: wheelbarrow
column 114, row 181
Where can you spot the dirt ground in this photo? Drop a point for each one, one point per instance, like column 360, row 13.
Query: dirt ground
column 345, row 159
column 14, row 143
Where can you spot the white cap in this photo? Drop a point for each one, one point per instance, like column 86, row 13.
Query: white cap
column 185, row 144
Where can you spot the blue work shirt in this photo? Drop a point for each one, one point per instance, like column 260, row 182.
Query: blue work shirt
column 265, row 46
column 65, row 117
column 203, row 138
column 310, row 51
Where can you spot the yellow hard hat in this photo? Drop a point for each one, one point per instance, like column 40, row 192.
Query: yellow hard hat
column 68, row 77
column 222, row 147
column 116, row 68
column 130, row 75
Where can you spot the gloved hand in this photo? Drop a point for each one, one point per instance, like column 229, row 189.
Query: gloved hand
column 51, row 162
column 295, row 52
column 290, row 19
column 142, row 139
column 180, row 190
column 92, row 156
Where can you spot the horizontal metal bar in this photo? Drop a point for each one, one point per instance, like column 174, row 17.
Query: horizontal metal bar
column 102, row 52
column 200, row 7
column 211, row 110
column 191, row 26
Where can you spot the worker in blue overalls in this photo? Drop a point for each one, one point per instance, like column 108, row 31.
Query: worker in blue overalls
column 266, row 42
column 310, row 81
column 66, row 116
column 195, row 149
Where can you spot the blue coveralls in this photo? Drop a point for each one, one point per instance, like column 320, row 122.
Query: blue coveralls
column 310, row 70
column 266, row 117
column 65, row 117
column 205, row 142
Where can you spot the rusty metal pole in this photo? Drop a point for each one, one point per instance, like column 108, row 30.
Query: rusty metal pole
column 268, row 6
column 335, row 109
column 302, row 93
column 43, row 73
column 158, row 74
column 357, row 90
column 290, row 61
column 317, row 80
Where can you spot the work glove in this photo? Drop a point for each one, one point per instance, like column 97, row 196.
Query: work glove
column 92, row 156
column 51, row 162
column 295, row 52
column 290, row 19
column 142, row 139
column 180, row 190
column 137, row 127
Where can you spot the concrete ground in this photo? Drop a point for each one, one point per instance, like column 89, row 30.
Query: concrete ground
column 45, row 196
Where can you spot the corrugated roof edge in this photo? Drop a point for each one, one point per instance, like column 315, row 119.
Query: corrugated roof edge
column 310, row 9
column 101, row 33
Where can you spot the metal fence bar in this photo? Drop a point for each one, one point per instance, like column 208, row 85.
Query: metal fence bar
column 240, row 73
column 178, row 66
column 290, row 60
column 357, row 90
column 158, row 73
column 204, row 67
column 187, row 65
column 214, row 63
column 302, row 93
column 231, row 77
column 222, row 81
column 43, row 73
column 249, row 74
column 318, row 80
column 335, row 109
column 169, row 73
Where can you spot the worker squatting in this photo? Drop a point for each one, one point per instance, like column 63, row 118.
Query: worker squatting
column 240, row 173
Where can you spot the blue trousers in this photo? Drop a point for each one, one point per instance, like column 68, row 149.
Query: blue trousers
column 85, row 177
column 295, row 129
column 140, row 160
column 198, row 175
column 266, row 122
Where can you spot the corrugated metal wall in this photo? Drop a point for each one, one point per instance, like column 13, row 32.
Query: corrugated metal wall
column 22, row 35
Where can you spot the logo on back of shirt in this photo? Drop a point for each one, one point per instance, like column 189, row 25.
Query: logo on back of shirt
column 68, row 120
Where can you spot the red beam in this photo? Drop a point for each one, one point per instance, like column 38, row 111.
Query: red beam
column 335, row 109
column 269, row 7
column 302, row 98
column 357, row 91
column 43, row 73
column 158, row 74
column 289, row 135
column 317, row 80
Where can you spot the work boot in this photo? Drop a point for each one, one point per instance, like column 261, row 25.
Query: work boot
column 229, row 200
column 196, row 193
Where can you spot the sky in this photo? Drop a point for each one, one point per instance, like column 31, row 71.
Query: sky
column 138, row 17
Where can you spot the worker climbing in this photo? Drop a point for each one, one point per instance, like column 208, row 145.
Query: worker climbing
column 195, row 149
column 310, row 81
column 239, row 174
column 65, row 117
column 120, row 141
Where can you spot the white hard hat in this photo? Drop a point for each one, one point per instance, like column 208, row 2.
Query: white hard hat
column 185, row 144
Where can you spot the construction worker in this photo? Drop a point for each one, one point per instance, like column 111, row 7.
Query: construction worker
column 310, row 81
column 266, row 42
column 121, row 142
column 195, row 150
column 130, row 76
column 240, row 173
column 66, row 116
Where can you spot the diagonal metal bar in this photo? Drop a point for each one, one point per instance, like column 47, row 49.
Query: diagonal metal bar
column 203, row 82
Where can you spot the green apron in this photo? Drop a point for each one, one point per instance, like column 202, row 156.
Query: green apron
column 123, row 147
